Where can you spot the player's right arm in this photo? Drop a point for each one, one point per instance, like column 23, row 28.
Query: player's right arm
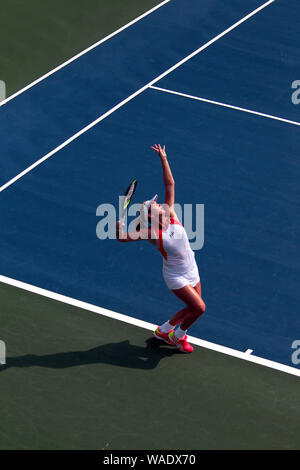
column 137, row 235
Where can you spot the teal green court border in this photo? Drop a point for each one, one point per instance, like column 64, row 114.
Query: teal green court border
column 78, row 380
column 37, row 36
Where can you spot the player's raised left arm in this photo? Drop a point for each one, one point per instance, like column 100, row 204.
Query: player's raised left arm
column 167, row 173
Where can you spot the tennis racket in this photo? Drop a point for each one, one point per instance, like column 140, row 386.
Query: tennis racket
column 128, row 197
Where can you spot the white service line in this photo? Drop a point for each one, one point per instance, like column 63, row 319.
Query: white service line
column 148, row 326
column 245, row 110
column 138, row 92
column 93, row 46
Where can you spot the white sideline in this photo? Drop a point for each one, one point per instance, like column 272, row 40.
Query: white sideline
column 149, row 326
column 93, row 46
column 245, row 110
column 138, row 92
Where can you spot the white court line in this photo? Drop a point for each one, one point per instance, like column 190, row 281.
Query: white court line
column 93, row 46
column 250, row 111
column 148, row 326
column 141, row 90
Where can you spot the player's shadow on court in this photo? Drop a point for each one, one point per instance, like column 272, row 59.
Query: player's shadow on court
column 121, row 354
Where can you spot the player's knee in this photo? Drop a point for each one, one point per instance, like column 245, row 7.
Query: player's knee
column 201, row 307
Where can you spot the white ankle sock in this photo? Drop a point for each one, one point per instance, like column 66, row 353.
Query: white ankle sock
column 166, row 327
column 179, row 333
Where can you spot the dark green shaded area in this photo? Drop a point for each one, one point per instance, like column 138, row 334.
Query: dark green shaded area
column 37, row 36
column 78, row 380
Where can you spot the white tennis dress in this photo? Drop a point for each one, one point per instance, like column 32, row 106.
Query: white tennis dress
column 179, row 265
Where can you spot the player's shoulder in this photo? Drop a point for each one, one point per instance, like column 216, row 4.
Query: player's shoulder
column 174, row 216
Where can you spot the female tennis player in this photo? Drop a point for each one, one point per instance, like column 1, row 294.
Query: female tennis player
column 180, row 270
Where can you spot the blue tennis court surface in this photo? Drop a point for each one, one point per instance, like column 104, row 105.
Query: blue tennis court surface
column 244, row 167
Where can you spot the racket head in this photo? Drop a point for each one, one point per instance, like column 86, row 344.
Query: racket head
column 129, row 195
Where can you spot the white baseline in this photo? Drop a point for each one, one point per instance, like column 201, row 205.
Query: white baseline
column 246, row 356
column 131, row 97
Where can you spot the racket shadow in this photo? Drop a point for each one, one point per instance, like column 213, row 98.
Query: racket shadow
column 122, row 354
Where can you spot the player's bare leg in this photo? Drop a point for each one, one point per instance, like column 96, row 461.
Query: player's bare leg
column 195, row 307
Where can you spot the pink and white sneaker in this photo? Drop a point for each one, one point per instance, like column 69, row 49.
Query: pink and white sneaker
column 182, row 343
column 164, row 336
